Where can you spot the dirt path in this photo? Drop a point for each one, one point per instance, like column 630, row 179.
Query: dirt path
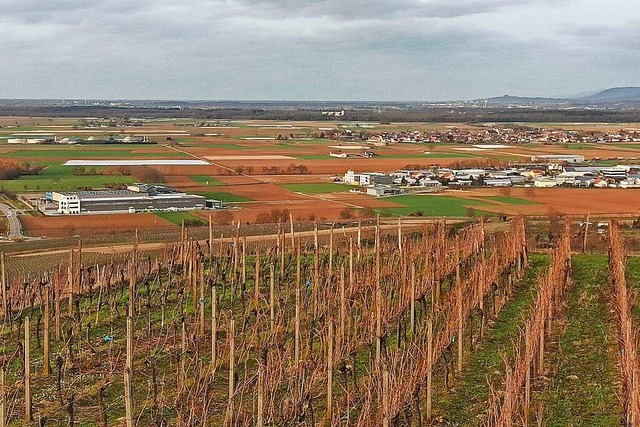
column 15, row 228
column 465, row 404
column 583, row 389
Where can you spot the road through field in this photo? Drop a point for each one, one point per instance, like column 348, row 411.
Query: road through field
column 15, row 228
column 213, row 163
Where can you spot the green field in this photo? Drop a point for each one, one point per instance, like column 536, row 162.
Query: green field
column 67, row 154
column 56, row 169
column 434, row 206
column 433, row 155
column 223, row 196
column 178, row 217
column 510, row 200
column 316, row 187
column 61, row 183
column 205, row 180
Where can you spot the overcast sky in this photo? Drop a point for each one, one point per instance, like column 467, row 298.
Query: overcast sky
column 316, row 49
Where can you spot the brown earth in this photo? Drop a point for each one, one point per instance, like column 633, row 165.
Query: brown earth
column 572, row 201
column 86, row 225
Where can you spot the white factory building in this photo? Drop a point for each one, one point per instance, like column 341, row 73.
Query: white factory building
column 137, row 197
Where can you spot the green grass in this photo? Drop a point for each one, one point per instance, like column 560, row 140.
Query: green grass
column 56, row 169
column 510, row 200
column 315, row 157
column 434, row 206
column 178, row 217
column 583, row 391
column 433, row 155
column 205, row 180
column 633, row 280
column 61, row 183
column 630, row 146
column 224, row 196
column 316, row 187
column 471, row 393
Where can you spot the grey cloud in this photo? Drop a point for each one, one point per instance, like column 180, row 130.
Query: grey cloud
column 325, row 49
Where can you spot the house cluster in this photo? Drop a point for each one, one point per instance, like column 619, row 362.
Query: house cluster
column 540, row 175
column 492, row 135
column 620, row 176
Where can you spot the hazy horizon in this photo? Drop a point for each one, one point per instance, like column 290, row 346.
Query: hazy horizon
column 326, row 50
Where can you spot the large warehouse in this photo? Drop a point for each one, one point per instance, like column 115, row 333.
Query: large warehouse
column 137, row 197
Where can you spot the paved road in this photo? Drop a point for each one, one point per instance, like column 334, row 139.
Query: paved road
column 15, row 228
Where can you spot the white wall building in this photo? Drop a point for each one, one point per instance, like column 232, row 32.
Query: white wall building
column 68, row 204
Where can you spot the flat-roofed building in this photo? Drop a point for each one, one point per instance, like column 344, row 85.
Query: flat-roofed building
column 139, row 197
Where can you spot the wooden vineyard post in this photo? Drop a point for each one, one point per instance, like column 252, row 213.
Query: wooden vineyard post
column 70, row 282
column 412, row 320
column 244, row 261
column 316, row 252
column 128, row 373
column 3, row 394
column 481, row 293
column 214, row 329
column 330, row 253
column 46, row 365
column 293, row 236
column 272, row 280
column 230, row 408
column 210, row 238
column 351, row 262
column 201, row 301
column 260, row 403
column 4, row 287
column 28, row 416
column 429, row 369
column 183, row 356
column 282, row 247
column 256, row 281
column 378, row 304
column 541, row 351
column 236, row 242
column 400, row 235
column 330, row 374
column 133, row 276
column 460, row 303
column 359, row 237
column 385, row 398
column 296, row 343
column 57, row 296
column 586, row 232
column 343, row 305
column 527, row 381
column 315, row 235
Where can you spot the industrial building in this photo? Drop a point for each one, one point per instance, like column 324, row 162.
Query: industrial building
column 561, row 158
column 136, row 198
column 366, row 179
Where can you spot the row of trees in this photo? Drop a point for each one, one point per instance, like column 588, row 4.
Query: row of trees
column 11, row 169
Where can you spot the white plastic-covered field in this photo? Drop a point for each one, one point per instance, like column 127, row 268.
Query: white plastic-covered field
column 274, row 157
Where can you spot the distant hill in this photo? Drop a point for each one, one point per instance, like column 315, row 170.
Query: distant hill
column 618, row 95
column 615, row 94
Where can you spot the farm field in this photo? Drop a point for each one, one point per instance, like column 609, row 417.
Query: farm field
column 249, row 165
column 86, row 225
column 316, row 187
column 453, row 325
